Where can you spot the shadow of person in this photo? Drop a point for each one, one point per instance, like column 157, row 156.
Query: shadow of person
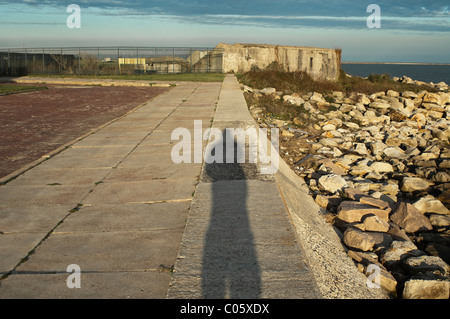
column 230, row 267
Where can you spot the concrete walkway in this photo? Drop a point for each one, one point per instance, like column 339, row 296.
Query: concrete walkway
column 239, row 242
column 116, row 205
column 113, row 203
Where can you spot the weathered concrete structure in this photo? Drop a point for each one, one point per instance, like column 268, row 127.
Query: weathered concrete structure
column 319, row 63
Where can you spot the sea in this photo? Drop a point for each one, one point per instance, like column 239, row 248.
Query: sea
column 421, row 72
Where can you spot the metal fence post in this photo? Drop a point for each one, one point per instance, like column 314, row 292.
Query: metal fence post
column 60, row 62
column 79, row 61
column 207, row 60
column 9, row 63
column 43, row 60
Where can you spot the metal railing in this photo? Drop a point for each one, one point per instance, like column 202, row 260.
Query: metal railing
column 109, row 60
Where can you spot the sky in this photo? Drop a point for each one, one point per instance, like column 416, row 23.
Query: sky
column 410, row 30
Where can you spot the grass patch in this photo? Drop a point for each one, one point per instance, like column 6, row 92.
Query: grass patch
column 10, row 89
column 193, row 77
column 301, row 82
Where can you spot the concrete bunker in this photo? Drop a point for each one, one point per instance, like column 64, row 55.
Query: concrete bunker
column 319, row 63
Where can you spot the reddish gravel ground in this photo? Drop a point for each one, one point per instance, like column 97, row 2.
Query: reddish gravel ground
column 33, row 124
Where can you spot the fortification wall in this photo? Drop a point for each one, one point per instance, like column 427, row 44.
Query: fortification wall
column 319, row 63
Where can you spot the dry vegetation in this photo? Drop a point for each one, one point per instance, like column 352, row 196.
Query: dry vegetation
column 301, row 82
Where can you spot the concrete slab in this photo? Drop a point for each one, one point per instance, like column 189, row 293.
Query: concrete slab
column 20, row 196
column 147, row 157
column 153, row 171
column 107, row 140
column 142, row 191
column 16, row 246
column 94, row 285
column 135, row 217
column 61, row 176
column 80, row 161
column 106, row 251
column 31, row 219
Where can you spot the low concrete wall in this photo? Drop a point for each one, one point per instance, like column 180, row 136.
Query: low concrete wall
column 319, row 63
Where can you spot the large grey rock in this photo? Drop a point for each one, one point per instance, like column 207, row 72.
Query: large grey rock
column 445, row 98
column 329, row 127
column 386, row 280
column 360, row 170
column 351, row 212
column 375, row 224
column 369, row 200
column 441, row 177
column 399, row 251
column 376, row 95
column 431, row 205
column 409, row 94
column 389, row 189
column 438, row 220
column 357, row 239
column 394, row 152
column 361, row 149
column 294, row 100
column 268, row 91
column 317, row 97
column 381, row 167
column 329, row 142
column 445, row 164
column 382, row 240
column 332, row 183
column 426, row 289
column 412, row 184
column 379, row 105
column 410, row 219
column 392, row 93
column 362, row 98
column 432, row 98
column 426, row 263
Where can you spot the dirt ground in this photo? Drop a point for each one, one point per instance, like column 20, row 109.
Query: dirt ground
column 33, row 124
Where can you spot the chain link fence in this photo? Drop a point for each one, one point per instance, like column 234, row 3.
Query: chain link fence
column 109, row 60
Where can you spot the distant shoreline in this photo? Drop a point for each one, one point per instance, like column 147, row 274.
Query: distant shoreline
column 398, row 63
